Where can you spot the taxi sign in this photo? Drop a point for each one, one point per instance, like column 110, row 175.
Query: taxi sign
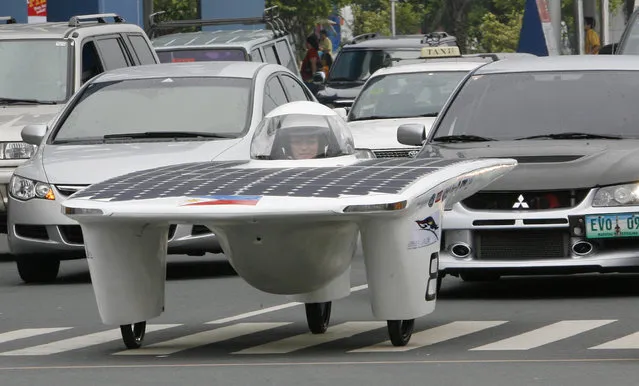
column 440, row 52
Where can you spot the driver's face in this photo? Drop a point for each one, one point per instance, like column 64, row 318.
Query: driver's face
column 304, row 147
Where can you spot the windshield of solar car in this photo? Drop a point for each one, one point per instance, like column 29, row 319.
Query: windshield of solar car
column 404, row 95
column 278, row 137
column 516, row 105
column 34, row 69
column 190, row 104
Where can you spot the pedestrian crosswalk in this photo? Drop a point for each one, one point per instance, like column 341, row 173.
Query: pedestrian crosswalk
column 270, row 338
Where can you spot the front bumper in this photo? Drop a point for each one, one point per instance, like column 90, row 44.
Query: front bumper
column 38, row 227
column 532, row 242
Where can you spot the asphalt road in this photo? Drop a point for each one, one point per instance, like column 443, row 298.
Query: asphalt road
column 579, row 330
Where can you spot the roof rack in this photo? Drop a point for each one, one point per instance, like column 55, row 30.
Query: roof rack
column 8, row 19
column 75, row 21
column 270, row 17
column 363, row 37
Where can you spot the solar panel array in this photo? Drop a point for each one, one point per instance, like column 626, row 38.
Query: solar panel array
column 227, row 179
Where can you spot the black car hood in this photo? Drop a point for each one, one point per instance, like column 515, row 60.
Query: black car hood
column 552, row 164
column 339, row 90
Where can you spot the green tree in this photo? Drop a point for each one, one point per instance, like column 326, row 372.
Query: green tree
column 177, row 9
column 375, row 16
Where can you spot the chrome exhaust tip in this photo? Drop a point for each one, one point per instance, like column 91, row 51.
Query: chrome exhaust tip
column 460, row 250
column 582, row 248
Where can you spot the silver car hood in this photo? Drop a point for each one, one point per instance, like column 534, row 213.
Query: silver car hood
column 382, row 133
column 88, row 164
column 14, row 118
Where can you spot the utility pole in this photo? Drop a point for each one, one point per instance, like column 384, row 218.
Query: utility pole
column 393, row 17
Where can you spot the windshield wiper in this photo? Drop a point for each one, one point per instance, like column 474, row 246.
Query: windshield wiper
column 461, row 138
column 29, row 101
column 572, row 136
column 343, row 79
column 428, row 115
column 169, row 134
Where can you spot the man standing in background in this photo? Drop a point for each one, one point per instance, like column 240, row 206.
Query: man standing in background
column 592, row 38
column 325, row 44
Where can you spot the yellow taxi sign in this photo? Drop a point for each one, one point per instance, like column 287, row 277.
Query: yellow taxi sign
column 440, row 52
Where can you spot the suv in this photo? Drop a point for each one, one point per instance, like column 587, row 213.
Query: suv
column 43, row 65
column 364, row 55
column 271, row 45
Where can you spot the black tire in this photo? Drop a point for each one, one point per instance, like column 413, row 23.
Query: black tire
column 400, row 331
column 133, row 334
column 318, row 315
column 37, row 269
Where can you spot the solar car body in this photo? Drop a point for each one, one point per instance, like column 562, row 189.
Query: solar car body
column 289, row 225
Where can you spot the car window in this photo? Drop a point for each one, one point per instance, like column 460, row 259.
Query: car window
column 285, row 56
column 142, row 49
column 274, row 95
column 271, row 55
column 159, row 105
column 112, row 53
column 511, row 106
column 359, row 65
column 202, row 55
column 91, row 64
column 34, row 69
column 256, row 56
column 294, row 89
column 405, row 95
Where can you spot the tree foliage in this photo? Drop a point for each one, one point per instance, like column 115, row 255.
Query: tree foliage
column 177, row 9
column 375, row 16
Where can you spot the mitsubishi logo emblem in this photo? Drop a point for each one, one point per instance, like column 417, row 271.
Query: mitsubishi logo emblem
column 520, row 203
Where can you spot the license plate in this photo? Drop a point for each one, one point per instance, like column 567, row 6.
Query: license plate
column 603, row 226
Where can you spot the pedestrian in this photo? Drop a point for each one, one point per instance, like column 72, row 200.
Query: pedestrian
column 592, row 38
column 325, row 44
column 327, row 62
column 311, row 63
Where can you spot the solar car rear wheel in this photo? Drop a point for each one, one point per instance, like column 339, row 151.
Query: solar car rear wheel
column 400, row 331
column 133, row 334
column 318, row 315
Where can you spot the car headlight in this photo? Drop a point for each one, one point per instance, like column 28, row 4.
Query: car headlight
column 16, row 150
column 617, row 195
column 25, row 189
column 364, row 154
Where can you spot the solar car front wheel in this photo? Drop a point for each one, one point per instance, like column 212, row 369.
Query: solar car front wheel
column 400, row 331
column 318, row 315
column 133, row 334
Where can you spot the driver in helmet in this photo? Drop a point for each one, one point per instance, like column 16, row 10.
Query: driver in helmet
column 302, row 137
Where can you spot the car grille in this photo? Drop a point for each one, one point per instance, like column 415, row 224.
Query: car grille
column 521, row 244
column 396, row 153
column 72, row 234
column 67, row 190
column 533, row 200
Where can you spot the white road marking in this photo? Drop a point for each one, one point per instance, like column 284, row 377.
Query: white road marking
column 544, row 335
column 80, row 342
column 270, row 309
column 627, row 342
column 28, row 333
column 202, row 338
column 432, row 336
column 298, row 342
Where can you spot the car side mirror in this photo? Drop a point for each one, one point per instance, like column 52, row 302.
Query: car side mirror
column 413, row 134
column 33, row 134
column 319, row 77
column 342, row 112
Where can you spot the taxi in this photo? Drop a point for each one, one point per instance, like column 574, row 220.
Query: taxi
column 411, row 92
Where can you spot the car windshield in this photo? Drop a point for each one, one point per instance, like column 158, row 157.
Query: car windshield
column 201, row 55
column 34, row 70
column 521, row 105
column 405, row 95
column 359, row 65
column 630, row 43
column 213, row 106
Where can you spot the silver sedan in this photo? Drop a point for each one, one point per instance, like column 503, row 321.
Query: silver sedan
column 133, row 119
